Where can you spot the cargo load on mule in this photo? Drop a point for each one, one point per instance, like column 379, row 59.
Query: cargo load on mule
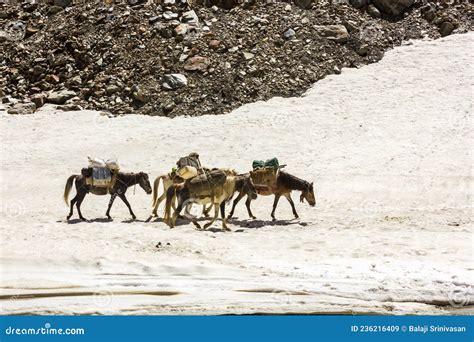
column 265, row 173
column 205, row 184
column 101, row 173
column 269, row 163
column 189, row 166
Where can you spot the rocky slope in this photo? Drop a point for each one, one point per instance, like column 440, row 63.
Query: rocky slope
column 176, row 58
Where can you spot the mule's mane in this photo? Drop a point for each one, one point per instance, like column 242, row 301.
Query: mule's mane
column 130, row 174
column 298, row 183
column 129, row 178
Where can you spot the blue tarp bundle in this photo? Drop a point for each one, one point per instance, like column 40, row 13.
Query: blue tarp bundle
column 101, row 176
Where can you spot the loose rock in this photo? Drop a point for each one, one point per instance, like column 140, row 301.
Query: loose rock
column 337, row 33
column 289, row 34
column 174, row 81
column 373, row 11
column 197, row 63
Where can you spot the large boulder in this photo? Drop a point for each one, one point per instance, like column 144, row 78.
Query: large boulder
column 393, row 7
column 60, row 97
column 304, row 4
column 359, row 3
column 446, row 28
column 63, row 3
column 21, row 108
column 337, row 33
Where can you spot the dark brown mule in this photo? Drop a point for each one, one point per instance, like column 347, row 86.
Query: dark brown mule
column 122, row 182
column 286, row 183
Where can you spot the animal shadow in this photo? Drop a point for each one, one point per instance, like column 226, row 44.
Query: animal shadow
column 133, row 220
column 99, row 219
column 255, row 224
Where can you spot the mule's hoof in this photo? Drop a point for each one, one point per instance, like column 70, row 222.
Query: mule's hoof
column 83, row 219
column 273, row 219
column 67, row 218
column 134, row 217
column 253, row 217
column 225, row 229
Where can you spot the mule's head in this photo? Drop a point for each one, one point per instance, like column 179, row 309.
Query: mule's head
column 144, row 182
column 308, row 195
column 249, row 187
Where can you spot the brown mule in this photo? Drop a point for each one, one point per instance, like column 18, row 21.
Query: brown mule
column 285, row 184
column 122, row 183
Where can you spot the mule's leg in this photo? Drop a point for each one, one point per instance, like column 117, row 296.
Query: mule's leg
column 195, row 222
column 124, row 199
column 111, row 201
column 71, row 206
column 288, row 197
column 176, row 212
column 237, row 199
column 205, row 210
column 247, row 204
column 216, row 214
column 187, row 210
column 160, row 199
column 80, row 198
column 275, row 203
column 224, row 219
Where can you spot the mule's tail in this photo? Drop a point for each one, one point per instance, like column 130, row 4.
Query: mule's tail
column 170, row 194
column 68, row 187
column 156, row 184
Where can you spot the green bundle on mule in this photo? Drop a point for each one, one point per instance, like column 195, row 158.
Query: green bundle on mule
column 270, row 163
